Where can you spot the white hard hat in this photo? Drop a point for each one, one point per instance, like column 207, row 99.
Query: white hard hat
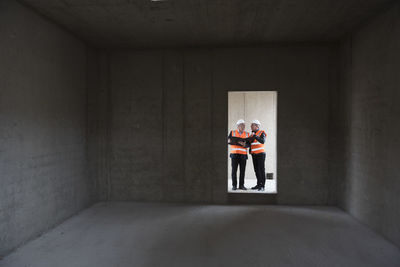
column 256, row 122
column 239, row 122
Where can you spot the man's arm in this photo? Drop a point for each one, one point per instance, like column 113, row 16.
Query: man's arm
column 229, row 136
column 248, row 142
column 260, row 138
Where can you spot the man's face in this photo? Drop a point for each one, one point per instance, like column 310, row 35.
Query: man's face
column 241, row 127
column 254, row 127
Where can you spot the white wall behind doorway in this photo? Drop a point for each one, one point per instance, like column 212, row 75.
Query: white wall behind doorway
column 250, row 105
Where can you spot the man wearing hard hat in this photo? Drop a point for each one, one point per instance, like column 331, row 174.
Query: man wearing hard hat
column 257, row 151
column 238, row 155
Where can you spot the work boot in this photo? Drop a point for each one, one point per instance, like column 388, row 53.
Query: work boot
column 234, row 187
column 242, row 187
column 255, row 187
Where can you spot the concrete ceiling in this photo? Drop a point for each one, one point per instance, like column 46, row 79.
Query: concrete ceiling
column 146, row 23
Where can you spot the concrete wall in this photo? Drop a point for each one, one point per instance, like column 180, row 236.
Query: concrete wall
column 98, row 114
column 168, row 120
column 42, row 125
column 367, row 116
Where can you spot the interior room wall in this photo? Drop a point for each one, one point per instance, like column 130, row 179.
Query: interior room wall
column 367, row 116
column 168, row 120
column 98, row 114
column 43, row 177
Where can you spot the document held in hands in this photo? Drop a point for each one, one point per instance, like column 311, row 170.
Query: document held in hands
column 235, row 140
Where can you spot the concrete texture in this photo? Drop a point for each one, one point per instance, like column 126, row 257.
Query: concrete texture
column 368, row 120
column 132, row 23
column 43, row 176
column 98, row 113
column 151, row 234
column 168, row 120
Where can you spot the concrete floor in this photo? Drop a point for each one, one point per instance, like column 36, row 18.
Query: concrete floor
column 151, row 234
column 270, row 186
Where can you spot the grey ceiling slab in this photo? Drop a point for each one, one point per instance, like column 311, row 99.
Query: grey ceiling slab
column 146, row 23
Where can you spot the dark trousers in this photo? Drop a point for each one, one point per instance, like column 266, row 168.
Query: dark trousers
column 259, row 168
column 238, row 160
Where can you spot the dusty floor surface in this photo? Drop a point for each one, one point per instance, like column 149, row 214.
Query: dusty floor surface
column 152, row 234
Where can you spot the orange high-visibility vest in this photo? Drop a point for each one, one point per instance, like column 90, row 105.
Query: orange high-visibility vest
column 239, row 149
column 257, row 147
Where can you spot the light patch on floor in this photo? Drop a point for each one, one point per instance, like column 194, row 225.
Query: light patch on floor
column 270, row 187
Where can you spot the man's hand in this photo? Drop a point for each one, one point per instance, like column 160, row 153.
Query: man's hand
column 242, row 143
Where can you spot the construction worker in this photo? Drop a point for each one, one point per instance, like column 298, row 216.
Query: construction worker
column 238, row 155
column 257, row 150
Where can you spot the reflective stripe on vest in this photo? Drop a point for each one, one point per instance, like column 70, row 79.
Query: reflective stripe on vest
column 239, row 149
column 257, row 147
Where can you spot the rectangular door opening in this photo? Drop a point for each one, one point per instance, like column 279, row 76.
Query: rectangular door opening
column 260, row 109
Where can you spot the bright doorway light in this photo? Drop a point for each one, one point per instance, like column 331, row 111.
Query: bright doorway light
column 251, row 105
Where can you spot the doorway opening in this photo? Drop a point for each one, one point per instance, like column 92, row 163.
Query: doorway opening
column 259, row 108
